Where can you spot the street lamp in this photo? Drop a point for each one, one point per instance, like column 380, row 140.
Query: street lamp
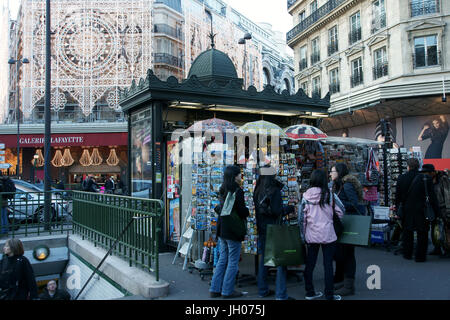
column 247, row 36
column 18, row 63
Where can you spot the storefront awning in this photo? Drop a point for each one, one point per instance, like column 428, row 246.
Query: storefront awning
column 66, row 140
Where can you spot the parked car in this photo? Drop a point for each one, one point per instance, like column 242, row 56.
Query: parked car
column 28, row 204
column 141, row 188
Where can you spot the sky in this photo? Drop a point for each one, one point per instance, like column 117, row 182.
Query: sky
column 272, row 11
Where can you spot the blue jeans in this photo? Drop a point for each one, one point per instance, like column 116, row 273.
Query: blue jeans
column 227, row 267
column 263, row 288
column 4, row 220
column 328, row 251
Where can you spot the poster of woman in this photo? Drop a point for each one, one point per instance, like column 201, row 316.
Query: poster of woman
column 437, row 131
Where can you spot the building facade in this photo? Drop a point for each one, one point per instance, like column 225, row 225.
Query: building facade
column 378, row 59
column 100, row 47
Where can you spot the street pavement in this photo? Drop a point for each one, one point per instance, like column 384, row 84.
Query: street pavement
column 400, row 279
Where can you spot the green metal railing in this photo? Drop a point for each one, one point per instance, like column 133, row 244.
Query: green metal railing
column 26, row 213
column 102, row 219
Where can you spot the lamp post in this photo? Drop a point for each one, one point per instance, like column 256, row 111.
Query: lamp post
column 47, row 116
column 243, row 41
column 18, row 63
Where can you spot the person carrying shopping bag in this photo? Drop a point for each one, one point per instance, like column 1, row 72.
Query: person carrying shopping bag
column 350, row 192
column 269, row 208
column 317, row 229
column 231, row 231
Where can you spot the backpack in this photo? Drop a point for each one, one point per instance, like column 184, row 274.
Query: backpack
column 8, row 186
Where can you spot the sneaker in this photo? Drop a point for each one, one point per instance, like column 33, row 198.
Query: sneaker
column 316, row 295
column 268, row 294
column 214, row 294
column 235, row 294
column 287, row 299
column 335, row 297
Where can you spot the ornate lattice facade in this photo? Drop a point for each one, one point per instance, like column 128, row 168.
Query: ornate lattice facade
column 98, row 46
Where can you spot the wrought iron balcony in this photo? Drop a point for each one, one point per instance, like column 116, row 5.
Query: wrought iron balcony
column 332, row 47
column 357, row 79
column 380, row 70
column 428, row 60
column 313, row 18
column 166, row 58
column 354, row 35
column 334, row 87
column 303, row 64
column 423, row 7
column 378, row 23
column 168, row 30
column 315, row 57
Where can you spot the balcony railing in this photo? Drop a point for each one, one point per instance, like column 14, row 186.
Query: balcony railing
column 380, row 71
column 357, row 79
column 429, row 60
column 378, row 22
column 166, row 58
column 168, row 30
column 315, row 57
column 332, row 47
column 354, row 35
column 313, row 18
column 423, row 7
column 303, row 64
column 334, row 87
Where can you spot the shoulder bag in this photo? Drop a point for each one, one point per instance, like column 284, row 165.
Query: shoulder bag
column 429, row 212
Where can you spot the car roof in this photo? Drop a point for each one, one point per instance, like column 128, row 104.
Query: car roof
column 25, row 184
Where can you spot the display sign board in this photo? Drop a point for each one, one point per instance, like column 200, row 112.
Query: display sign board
column 5, row 166
column 2, row 146
column 381, row 213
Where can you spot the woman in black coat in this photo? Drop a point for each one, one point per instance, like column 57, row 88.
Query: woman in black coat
column 350, row 192
column 17, row 275
column 229, row 239
column 269, row 209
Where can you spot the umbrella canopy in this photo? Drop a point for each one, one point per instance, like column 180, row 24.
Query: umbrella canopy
column 304, row 132
column 262, row 126
column 213, row 124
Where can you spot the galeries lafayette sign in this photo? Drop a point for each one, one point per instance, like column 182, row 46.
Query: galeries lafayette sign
column 66, row 140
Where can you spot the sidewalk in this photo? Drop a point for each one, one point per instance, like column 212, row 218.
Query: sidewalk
column 400, row 279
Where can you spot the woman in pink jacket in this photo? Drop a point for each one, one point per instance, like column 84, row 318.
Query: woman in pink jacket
column 316, row 218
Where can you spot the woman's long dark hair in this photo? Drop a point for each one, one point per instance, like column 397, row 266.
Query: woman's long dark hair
column 342, row 171
column 263, row 183
column 229, row 184
column 319, row 180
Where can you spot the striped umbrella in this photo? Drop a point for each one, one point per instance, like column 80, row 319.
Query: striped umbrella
column 212, row 124
column 263, row 127
column 304, row 132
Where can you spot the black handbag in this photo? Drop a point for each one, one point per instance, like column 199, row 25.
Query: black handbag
column 337, row 223
column 429, row 212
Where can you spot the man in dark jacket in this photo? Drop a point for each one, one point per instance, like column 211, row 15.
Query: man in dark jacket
column 410, row 192
column 53, row 293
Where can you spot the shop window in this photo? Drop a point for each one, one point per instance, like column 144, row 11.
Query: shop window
column 426, row 51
